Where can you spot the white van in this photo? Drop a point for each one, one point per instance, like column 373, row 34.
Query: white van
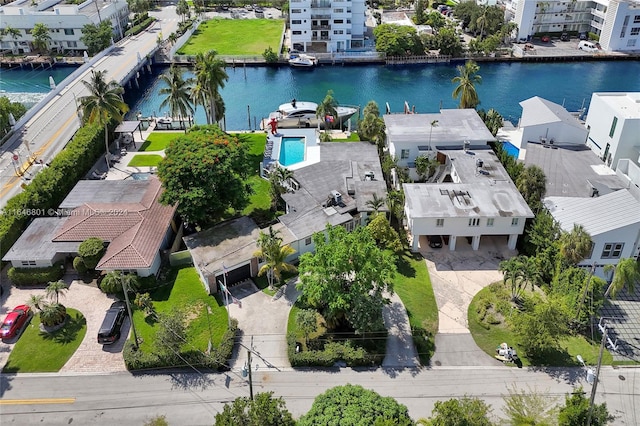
column 587, row 46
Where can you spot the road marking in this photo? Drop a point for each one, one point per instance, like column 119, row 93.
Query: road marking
column 37, row 401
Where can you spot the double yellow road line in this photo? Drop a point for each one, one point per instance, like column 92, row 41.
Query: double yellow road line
column 37, row 401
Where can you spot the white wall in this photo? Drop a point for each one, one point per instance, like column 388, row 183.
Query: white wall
column 613, row 38
column 560, row 132
column 396, row 147
column 629, row 235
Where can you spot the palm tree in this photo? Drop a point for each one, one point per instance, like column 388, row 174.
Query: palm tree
column 53, row 314
column 493, row 120
column 482, row 20
column 375, row 202
column 532, row 184
column 395, row 204
column 434, row 123
column 210, row 76
column 275, row 255
column 626, row 274
column 36, row 302
column 277, row 180
column 10, row 31
column 55, row 289
column 575, row 245
column 466, row 80
column 41, row 37
column 177, row 93
column 103, row 104
column 513, row 275
column 327, row 108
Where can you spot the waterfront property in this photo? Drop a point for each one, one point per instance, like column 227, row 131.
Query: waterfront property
column 614, row 124
column 476, row 199
column 125, row 214
column 64, row 20
column 290, row 148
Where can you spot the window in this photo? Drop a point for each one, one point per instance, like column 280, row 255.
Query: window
column 636, row 19
column 68, row 31
column 474, row 221
column 338, row 10
column 613, row 127
column 296, row 21
column 338, row 21
column 631, row 42
column 296, row 10
column 635, row 31
column 439, row 223
column 307, row 241
column 404, row 154
column 338, row 31
column 28, row 263
column 296, row 32
column 514, row 221
column 72, row 44
column 612, row 250
column 490, row 221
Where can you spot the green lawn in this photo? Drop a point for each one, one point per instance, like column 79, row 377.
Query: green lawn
column 353, row 137
column 186, row 293
column 413, row 286
column 38, row 352
column 235, row 37
column 145, row 160
column 158, row 141
column 488, row 338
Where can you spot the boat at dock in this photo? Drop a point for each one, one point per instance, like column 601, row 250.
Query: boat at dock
column 303, row 61
column 297, row 114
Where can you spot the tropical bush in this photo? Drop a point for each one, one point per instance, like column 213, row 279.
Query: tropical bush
column 137, row 29
column 53, row 314
column 35, row 276
column 79, row 266
column 331, row 353
column 91, row 250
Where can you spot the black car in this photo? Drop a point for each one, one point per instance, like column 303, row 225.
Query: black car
column 564, row 37
column 435, row 241
column 110, row 329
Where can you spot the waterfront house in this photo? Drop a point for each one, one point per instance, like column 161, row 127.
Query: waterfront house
column 613, row 122
column 615, row 22
column 327, row 26
column 549, row 123
column 412, row 135
column 125, row 214
column 475, row 201
column 64, row 20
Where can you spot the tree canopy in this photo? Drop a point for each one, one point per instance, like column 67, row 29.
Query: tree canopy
column 397, row 40
column 352, row 405
column 576, row 410
column 346, row 277
column 91, row 251
column 7, row 107
column 204, row 172
column 97, row 37
column 532, row 184
column 41, row 37
column 264, row 410
column 466, row 80
column 459, row 412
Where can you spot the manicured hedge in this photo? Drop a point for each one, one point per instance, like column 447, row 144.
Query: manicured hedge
column 52, row 184
column 137, row 29
column 333, row 352
column 34, row 276
column 217, row 360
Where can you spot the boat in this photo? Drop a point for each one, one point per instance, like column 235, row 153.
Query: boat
column 297, row 114
column 303, row 61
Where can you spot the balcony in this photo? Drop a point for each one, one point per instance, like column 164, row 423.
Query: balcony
column 321, row 38
column 321, row 4
column 596, row 24
column 598, row 13
column 320, row 27
column 320, row 16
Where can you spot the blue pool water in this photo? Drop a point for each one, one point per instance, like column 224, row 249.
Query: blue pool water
column 291, row 151
column 511, row 149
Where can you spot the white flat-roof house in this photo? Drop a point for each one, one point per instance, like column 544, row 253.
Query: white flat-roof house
column 327, row 25
column 478, row 200
column 64, row 20
column 613, row 122
column 412, row 135
column 616, row 22
column 612, row 220
column 544, row 121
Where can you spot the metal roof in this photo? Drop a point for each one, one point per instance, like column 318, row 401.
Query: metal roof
column 597, row 215
column 128, row 126
column 537, row 111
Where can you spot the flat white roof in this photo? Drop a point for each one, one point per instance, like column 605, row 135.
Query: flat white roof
column 599, row 214
column 626, row 104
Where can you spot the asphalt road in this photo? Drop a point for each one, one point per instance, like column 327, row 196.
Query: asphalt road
column 194, row 399
column 53, row 126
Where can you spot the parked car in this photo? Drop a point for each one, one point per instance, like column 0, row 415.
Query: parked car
column 545, row 39
column 110, row 329
column 587, row 46
column 15, row 321
column 435, row 241
column 564, row 37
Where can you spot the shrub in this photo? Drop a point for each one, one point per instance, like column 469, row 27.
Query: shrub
column 112, row 282
column 333, row 352
column 91, row 250
column 79, row 266
column 137, row 29
column 53, row 314
column 270, row 56
column 35, row 276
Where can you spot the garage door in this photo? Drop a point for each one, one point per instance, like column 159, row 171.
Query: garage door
column 236, row 275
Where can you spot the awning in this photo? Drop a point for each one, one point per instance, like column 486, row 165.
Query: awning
column 129, row 127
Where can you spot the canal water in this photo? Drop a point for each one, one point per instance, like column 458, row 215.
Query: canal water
column 29, row 86
column 253, row 92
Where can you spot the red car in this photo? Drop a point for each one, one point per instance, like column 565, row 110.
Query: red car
column 545, row 39
column 14, row 321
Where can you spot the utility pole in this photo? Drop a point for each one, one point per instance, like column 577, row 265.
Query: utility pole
column 595, row 382
column 250, row 379
column 126, row 298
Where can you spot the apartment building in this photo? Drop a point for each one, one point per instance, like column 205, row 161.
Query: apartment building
column 616, row 22
column 327, row 25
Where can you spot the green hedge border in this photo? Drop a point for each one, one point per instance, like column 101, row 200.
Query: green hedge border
column 35, row 276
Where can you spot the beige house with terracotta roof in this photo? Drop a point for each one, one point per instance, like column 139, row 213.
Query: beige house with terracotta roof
column 125, row 214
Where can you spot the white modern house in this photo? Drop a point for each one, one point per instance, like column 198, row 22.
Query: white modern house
column 64, row 20
column 613, row 122
column 478, row 200
column 327, row 25
column 617, row 22
column 412, row 135
column 544, row 121
column 612, row 220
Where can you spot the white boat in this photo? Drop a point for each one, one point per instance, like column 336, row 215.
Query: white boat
column 303, row 61
column 166, row 120
column 303, row 114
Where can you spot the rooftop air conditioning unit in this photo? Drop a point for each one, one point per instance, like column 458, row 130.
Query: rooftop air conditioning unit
column 337, row 197
column 369, row 175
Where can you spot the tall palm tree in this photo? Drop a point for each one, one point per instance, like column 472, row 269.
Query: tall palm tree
column 575, row 245
column 104, row 103
column 55, row 289
column 466, row 80
column 433, row 123
column 36, row 302
column 327, row 108
column 395, row 204
column 210, row 76
column 375, row 202
column 41, row 37
column 512, row 270
column 275, row 254
column 177, row 93
column 626, row 274
column 14, row 33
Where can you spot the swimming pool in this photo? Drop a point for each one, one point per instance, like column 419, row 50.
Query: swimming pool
column 291, row 150
column 511, row 149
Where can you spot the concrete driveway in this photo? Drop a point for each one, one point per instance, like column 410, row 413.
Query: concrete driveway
column 457, row 276
column 90, row 357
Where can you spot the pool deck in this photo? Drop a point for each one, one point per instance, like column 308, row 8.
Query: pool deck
column 312, row 149
column 513, row 135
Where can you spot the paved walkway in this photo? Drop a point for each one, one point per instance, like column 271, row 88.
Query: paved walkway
column 622, row 314
column 90, row 357
column 401, row 352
